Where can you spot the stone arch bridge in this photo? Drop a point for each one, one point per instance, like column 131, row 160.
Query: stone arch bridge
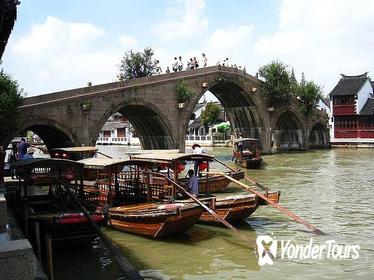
column 75, row 117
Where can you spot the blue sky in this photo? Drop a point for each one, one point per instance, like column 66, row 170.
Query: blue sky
column 58, row 45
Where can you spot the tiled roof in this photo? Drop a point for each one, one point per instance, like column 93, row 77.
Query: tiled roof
column 349, row 85
column 114, row 125
column 368, row 109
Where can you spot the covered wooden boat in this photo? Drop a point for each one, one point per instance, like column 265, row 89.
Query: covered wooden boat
column 246, row 153
column 47, row 195
column 130, row 191
column 155, row 220
column 174, row 165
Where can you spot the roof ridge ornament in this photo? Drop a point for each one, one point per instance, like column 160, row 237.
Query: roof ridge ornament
column 364, row 75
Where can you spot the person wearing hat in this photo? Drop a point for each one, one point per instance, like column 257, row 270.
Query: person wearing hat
column 30, row 154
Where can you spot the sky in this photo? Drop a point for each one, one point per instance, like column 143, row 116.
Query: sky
column 58, row 45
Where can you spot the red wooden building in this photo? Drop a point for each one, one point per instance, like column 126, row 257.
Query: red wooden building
column 352, row 104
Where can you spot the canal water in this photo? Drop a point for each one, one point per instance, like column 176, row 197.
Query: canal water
column 332, row 189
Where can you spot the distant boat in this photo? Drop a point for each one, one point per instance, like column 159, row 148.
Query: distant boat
column 246, row 153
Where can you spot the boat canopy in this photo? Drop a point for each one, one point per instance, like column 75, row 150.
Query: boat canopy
column 47, row 163
column 103, row 163
column 76, row 149
column 170, row 157
column 245, row 140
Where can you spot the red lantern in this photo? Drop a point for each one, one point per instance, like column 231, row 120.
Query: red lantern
column 69, row 176
column 180, row 167
column 163, row 165
column 203, row 166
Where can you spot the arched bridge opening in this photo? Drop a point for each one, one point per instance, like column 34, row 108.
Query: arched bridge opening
column 318, row 136
column 51, row 136
column 150, row 126
column 240, row 108
column 288, row 133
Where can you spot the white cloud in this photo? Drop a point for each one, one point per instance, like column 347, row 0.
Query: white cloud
column 323, row 38
column 187, row 20
column 58, row 55
column 128, row 42
column 231, row 42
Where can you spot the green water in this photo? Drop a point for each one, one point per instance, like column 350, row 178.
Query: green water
column 332, row 189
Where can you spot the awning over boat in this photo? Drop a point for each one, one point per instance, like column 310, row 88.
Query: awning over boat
column 47, row 163
column 101, row 163
column 169, row 157
column 76, row 149
column 245, row 140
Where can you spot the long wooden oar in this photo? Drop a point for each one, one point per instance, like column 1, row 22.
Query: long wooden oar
column 245, row 176
column 210, row 211
column 104, row 154
column 272, row 203
column 124, row 264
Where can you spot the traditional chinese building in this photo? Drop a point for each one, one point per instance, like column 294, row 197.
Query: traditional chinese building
column 352, row 104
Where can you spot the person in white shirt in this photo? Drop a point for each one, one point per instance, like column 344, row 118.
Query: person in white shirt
column 197, row 150
column 180, row 64
column 193, row 183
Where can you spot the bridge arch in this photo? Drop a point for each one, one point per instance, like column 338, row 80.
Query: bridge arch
column 53, row 134
column 152, row 126
column 241, row 107
column 318, row 136
column 288, row 132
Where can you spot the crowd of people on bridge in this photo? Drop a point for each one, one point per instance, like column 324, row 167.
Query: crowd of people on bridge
column 178, row 65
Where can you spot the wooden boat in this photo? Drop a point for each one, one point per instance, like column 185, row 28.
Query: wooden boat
column 74, row 153
column 155, row 220
column 174, row 164
column 232, row 208
column 129, row 190
column 44, row 197
column 246, row 153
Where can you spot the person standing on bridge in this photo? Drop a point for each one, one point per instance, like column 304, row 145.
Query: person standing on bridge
column 175, row 64
column 205, row 60
column 180, row 64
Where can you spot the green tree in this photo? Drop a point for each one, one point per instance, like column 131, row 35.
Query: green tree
column 210, row 114
column 136, row 64
column 309, row 93
column 277, row 83
column 184, row 94
column 10, row 99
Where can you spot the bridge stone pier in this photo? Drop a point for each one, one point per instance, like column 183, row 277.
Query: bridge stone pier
column 75, row 117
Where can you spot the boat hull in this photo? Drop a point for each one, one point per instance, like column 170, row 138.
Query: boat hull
column 232, row 209
column 249, row 163
column 155, row 223
column 218, row 183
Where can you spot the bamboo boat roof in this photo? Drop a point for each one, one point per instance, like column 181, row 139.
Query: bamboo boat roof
column 245, row 139
column 102, row 163
column 77, row 149
column 169, row 157
column 47, row 163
